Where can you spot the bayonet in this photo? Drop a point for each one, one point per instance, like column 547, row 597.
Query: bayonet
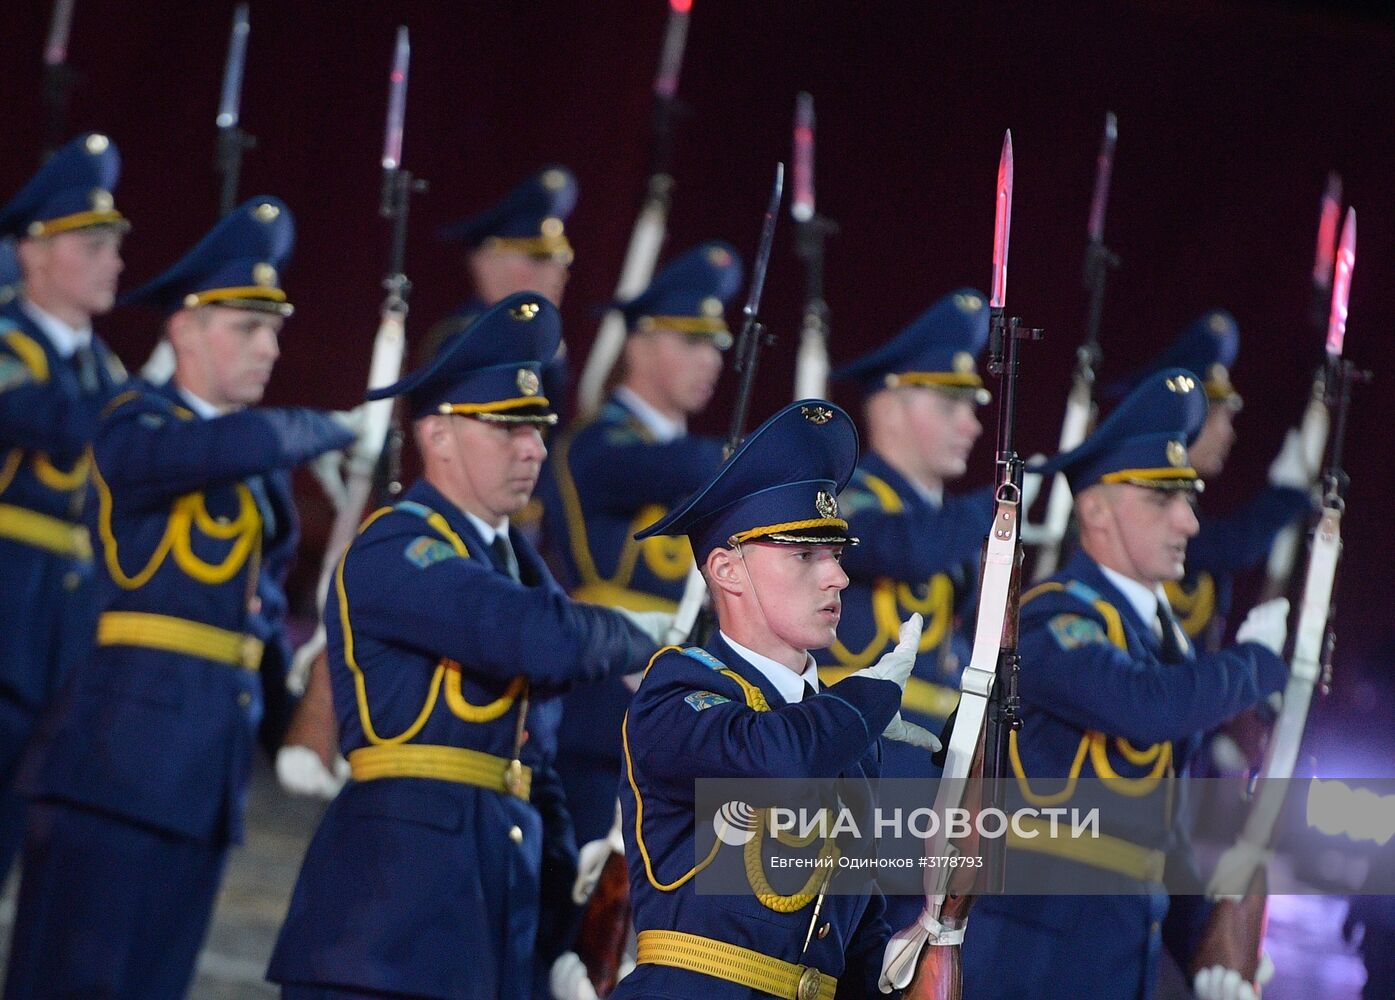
column 810, row 229
column 232, row 140
column 58, row 75
column 1002, row 226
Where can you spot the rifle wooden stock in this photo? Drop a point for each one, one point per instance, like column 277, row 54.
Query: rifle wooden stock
column 1234, row 934
column 605, row 926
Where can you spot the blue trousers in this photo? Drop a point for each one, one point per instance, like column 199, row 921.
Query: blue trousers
column 108, row 908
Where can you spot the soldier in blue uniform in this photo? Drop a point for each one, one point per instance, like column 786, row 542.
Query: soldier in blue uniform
column 518, row 244
column 622, row 470
column 921, row 546
column 55, row 376
column 449, row 648
column 1114, row 693
column 767, row 533
column 138, row 774
column 1240, row 541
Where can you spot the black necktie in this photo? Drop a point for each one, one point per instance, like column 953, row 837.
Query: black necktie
column 503, row 556
column 1174, row 642
column 809, row 691
column 86, row 362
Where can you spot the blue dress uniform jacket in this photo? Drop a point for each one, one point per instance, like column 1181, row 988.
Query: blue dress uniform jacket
column 1225, row 546
column 605, row 480
column 912, row 557
column 1100, row 703
column 145, row 755
column 707, row 713
column 47, row 420
column 421, row 879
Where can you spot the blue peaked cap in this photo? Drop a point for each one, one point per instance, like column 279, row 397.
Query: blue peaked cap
column 237, row 264
column 492, row 370
column 690, row 294
column 937, row 349
column 531, row 218
column 72, row 190
column 1144, row 440
column 1207, row 348
column 781, row 485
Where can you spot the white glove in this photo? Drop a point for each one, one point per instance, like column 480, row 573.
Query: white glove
column 353, row 421
column 159, row 367
column 1290, row 467
column 908, row 732
column 568, row 981
column 1220, row 983
column 1237, row 865
column 1266, row 624
column 896, row 665
column 300, row 772
column 654, row 624
column 592, row 858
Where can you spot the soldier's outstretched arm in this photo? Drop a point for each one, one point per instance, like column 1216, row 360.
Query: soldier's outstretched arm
column 653, row 472
column 35, row 417
column 152, row 452
column 1241, row 540
column 1071, row 670
column 821, row 737
column 906, row 547
column 399, row 592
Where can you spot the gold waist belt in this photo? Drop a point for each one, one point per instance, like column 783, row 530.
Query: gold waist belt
column 1112, row 854
column 735, row 965
column 179, row 635
column 466, row 767
column 44, row 532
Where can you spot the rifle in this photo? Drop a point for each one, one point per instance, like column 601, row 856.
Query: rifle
column 1234, row 931
column 232, row 142
column 375, row 444
column 652, row 222
column 58, row 75
column 605, row 923
column 810, row 228
column 1080, row 407
column 686, row 623
column 976, row 758
column 1313, row 429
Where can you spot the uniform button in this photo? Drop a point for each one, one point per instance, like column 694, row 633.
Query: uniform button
column 244, row 698
column 1154, row 927
column 823, row 931
column 516, row 834
column 71, row 580
column 254, row 606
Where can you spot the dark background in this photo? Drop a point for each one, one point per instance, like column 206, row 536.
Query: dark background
column 1230, row 115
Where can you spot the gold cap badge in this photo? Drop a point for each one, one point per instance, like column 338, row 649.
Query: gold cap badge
column 826, row 504
column 528, row 382
column 100, row 200
column 1176, row 454
column 712, row 306
column 551, row 226
column 817, row 415
column 264, row 275
column 963, row 362
column 524, row 311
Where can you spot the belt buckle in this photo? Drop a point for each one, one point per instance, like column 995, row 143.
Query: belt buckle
column 809, row 982
column 513, row 778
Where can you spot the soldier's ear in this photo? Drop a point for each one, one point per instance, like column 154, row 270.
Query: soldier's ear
column 724, row 571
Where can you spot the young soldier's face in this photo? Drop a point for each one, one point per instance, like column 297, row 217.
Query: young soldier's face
column 1212, row 446
column 495, row 465
column 1151, row 531
column 74, row 271
column 497, row 274
column 798, row 588
column 944, row 427
column 681, row 372
column 226, row 355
